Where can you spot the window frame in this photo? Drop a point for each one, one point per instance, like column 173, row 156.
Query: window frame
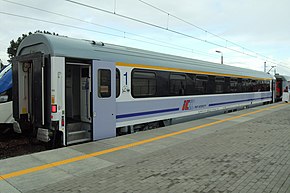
column 220, row 81
column 100, row 83
column 203, row 79
column 118, row 83
column 181, row 91
column 133, row 86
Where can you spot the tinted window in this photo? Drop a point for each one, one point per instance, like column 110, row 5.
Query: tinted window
column 233, row 85
column 253, row 86
column 246, row 85
column 240, row 85
column 177, row 84
column 190, row 83
column 143, row 83
column 104, row 86
column 219, row 84
column 201, row 84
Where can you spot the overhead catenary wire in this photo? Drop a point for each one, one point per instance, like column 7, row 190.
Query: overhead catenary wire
column 57, row 23
column 182, row 48
column 191, row 24
column 85, row 29
column 177, row 32
column 156, row 26
column 202, row 29
column 172, row 46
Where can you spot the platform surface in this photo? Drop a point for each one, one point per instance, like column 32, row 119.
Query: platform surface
column 244, row 151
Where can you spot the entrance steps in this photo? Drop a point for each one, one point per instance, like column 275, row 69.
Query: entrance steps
column 78, row 132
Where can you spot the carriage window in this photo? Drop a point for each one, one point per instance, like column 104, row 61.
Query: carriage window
column 258, row 86
column 177, row 84
column 246, row 85
column 254, row 86
column 240, row 85
column 117, row 83
column 233, row 85
column 266, row 85
column 143, row 83
column 190, row 83
column 219, row 84
column 201, row 84
column 104, row 86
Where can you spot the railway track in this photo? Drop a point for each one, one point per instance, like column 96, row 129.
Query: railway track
column 13, row 144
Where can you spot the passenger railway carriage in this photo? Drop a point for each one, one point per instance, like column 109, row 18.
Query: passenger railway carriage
column 69, row 90
column 282, row 82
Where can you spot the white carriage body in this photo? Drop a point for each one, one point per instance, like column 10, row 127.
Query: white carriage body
column 74, row 91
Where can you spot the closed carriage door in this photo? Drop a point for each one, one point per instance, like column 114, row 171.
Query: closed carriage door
column 104, row 100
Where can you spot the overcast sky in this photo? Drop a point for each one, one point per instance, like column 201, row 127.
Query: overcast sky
column 258, row 28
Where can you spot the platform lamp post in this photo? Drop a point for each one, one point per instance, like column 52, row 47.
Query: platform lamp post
column 222, row 57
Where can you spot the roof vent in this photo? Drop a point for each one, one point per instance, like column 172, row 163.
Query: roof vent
column 97, row 43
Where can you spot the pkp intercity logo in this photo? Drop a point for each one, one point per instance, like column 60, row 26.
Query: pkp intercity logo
column 187, row 105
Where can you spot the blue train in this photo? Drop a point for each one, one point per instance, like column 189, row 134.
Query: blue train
column 6, row 95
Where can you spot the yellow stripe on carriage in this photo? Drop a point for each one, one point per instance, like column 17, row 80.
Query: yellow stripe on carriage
column 185, row 71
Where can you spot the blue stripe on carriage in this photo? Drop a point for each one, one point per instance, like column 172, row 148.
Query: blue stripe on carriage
column 245, row 100
column 177, row 109
column 146, row 113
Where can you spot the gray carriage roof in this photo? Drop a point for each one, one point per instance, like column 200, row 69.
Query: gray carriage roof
column 283, row 77
column 85, row 49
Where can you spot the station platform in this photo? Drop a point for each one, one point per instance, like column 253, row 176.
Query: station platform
column 243, row 151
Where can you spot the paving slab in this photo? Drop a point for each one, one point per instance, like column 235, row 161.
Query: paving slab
column 19, row 163
column 6, row 187
column 37, row 180
column 56, row 155
column 91, row 147
column 85, row 166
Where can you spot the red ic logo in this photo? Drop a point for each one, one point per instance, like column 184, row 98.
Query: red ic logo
column 186, row 105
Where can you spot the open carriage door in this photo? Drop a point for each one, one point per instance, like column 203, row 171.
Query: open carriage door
column 31, row 92
column 104, row 99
